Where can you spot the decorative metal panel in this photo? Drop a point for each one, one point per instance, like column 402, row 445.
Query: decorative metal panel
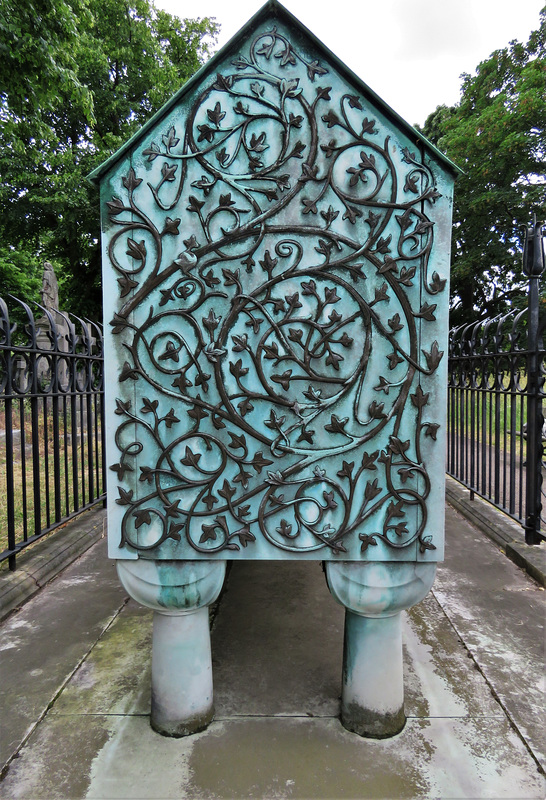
column 276, row 254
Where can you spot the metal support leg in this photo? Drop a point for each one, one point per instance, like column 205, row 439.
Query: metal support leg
column 374, row 594
column 179, row 592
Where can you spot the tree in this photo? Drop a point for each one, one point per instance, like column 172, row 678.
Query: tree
column 124, row 62
column 38, row 67
column 497, row 135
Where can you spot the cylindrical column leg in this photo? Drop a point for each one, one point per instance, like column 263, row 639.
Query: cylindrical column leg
column 179, row 592
column 372, row 697
column 182, row 697
column 374, row 594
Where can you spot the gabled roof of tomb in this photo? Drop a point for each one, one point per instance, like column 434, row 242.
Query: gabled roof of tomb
column 273, row 11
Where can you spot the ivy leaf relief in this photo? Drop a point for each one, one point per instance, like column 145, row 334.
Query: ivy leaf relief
column 223, row 83
column 274, row 422
column 190, row 459
column 431, row 429
column 212, row 321
column 205, row 133
column 125, row 497
column 433, row 357
column 216, row 115
column 237, row 441
column 171, row 227
column 142, row 517
column 170, row 139
column 437, row 284
column 406, row 276
column 275, row 479
column 397, row 446
column 146, row 474
column 174, row 531
column 209, row 533
column 329, row 500
column 257, row 143
column 149, row 406
column 127, row 372
column 245, row 407
column 375, row 410
column 151, row 152
column 126, row 284
column 381, row 294
column 115, row 206
column 283, row 379
column 227, row 491
column 337, row 425
column 242, row 477
column 383, row 385
column 131, row 181
column 122, row 407
column 323, row 92
column 259, row 462
column 306, row 435
column 368, row 126
column 426, row 544
column 411, row 184
column 120, row 470
column 314, row 69
column 394, row 323
column 367, row 540
column 312, row 394
column 347, row 470
column 368, row 460
column 285, row 529
column 136, row 250
column 244, row 535
column 372, row 490
column 419, row 399
column 168, row 171
column 194, row 204
column 331, row 119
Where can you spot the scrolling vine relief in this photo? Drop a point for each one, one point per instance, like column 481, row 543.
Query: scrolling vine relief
column 272, row 393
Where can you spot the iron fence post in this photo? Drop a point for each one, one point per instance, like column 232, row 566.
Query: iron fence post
column 533, row 266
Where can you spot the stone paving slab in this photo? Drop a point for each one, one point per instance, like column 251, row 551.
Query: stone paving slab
column 500, row 528
column 499, row 612
column 44, row 560
column 111, row 756
column 42, row 644
column 116, row 676
column 281, row 738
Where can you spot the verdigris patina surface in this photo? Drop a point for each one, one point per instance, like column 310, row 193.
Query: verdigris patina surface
column 276, row 271
column 276, row 254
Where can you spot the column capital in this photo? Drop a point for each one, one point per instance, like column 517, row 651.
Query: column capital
column 172, row 587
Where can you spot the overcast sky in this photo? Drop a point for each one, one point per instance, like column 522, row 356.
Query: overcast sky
column 410, row 52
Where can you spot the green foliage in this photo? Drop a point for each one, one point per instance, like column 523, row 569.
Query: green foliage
column 38, row 68
column 497, row 135
column 20, row 274
column 101, row 69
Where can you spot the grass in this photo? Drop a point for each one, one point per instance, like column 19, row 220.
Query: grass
column 44, row 490
column 498, row 416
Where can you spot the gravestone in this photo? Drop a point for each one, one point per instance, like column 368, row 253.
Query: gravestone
column 52, row 332
column 275, row 273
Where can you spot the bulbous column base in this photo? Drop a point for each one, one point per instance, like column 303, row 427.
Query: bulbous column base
column 374, row 594
column 179, row 592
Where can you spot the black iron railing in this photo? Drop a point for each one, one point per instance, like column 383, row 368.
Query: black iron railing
column 51, row 432
column 495, row 406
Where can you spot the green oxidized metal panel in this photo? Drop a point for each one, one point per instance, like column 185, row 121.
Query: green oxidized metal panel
column 276, row 255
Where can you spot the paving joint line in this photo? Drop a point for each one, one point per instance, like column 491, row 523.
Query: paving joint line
column 51, row 703
column 513, row 724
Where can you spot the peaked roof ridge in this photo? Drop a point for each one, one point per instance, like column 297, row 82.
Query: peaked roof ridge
column 272, row 8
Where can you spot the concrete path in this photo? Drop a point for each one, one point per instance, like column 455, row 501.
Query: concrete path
column 76, row 697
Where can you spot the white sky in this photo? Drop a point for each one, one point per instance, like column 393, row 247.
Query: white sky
column 410, row 52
